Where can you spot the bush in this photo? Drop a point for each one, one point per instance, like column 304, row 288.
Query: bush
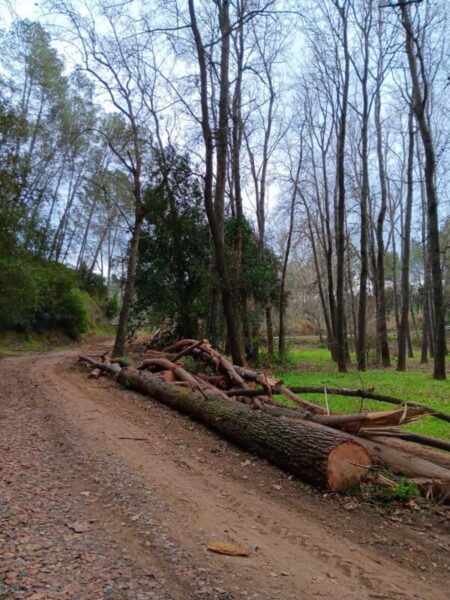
column 92, row 283
column 112, row 306
column 39, row 296
column 74, row 315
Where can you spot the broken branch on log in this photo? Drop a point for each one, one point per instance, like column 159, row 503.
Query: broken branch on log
column 344, row 392
column 111, row 368
column 409, row 436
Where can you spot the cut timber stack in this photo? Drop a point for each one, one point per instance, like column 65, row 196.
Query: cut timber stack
column 325, row 457
column 330, row 451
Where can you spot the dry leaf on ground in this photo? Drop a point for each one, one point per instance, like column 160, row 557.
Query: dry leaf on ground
column 229, row 549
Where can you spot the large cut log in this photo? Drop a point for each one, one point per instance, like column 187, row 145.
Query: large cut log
column 314, row 452
column 317, row 454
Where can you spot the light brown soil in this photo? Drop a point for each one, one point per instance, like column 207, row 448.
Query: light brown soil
column 147, row 489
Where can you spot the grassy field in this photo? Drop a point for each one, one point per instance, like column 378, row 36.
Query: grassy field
column 315, row 367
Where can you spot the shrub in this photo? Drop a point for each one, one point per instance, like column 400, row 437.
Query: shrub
column 112, row 306
column 38, row 296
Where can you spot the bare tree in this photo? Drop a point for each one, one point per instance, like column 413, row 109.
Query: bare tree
column 420, row 99
column 340, row 176
column 295, row 184
column 406, row 245
column 107, row 57
column 215, row 198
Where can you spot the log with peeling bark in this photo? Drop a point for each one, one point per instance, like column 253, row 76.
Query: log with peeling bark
column 441, row 459
column 352, row 423
column 369, row 395
column 325, row 457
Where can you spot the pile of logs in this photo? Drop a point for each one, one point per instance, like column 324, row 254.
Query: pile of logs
column 332, row 451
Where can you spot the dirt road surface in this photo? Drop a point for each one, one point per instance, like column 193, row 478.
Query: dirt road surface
column 106, row 494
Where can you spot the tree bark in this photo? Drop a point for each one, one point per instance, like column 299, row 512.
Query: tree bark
column 282, row 304
column 121, row 333
column 361, row 346
column 317, row 454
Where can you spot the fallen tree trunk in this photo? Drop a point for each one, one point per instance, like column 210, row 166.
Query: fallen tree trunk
column 317, row 454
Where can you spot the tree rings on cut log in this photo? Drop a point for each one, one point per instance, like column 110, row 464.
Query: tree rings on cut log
column 347, row 463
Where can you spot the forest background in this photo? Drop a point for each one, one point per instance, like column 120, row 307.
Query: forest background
column 249, row 171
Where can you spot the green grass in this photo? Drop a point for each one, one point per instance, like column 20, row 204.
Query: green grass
column 314, row 367
column 104, row 330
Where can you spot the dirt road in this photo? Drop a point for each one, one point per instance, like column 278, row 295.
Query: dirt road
column 106, row 494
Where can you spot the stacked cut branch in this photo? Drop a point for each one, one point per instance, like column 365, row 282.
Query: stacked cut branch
column 328, row 450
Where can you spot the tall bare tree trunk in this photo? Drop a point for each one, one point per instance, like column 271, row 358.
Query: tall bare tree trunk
column 426, row 290
column 236, row 144
column 381, row 313
column 406, row 245
column 214, row 204
column 419, row 103
column 121, row 333
column 361, row 349
column 282, row 305
column 340, row 224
